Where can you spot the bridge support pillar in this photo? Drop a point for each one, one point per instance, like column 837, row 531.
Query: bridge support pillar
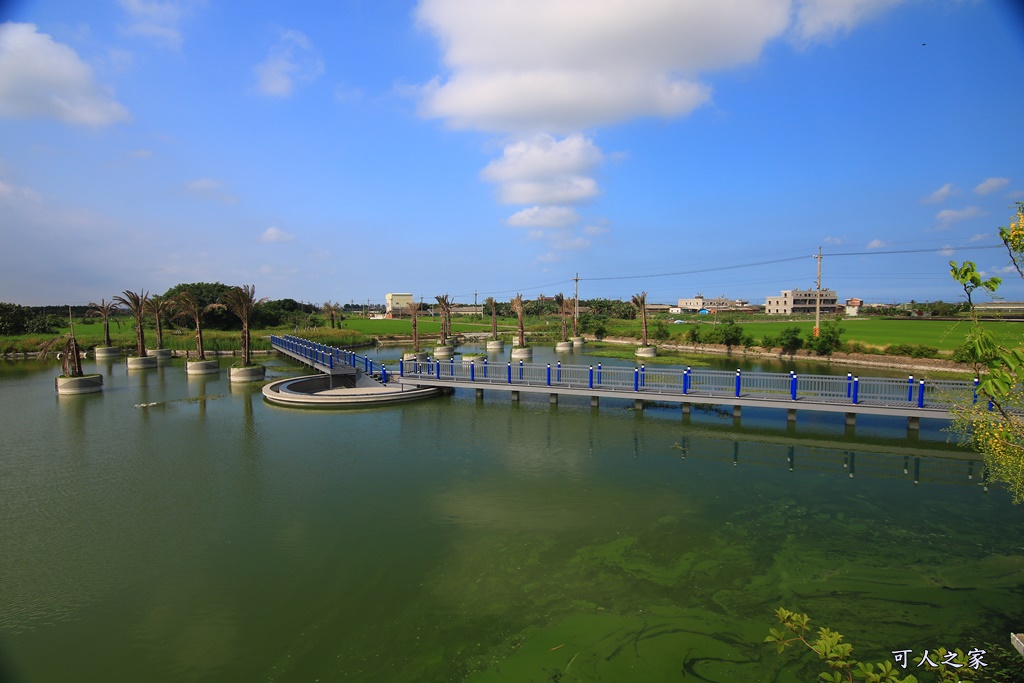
column 791, row 414
column 515, row 397
column 638, row 404
column 480, row 394
column 686, row 409
column 913, row 424
column 595, row 401
column 851, row 419
column 737, row 412
column 553, row 399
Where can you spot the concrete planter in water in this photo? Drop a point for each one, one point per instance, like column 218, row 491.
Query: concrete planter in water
column 577, row 342
column 159, row 354
column 106, row 352
column 444, row 351
column 522, row 352
column 251, row 373
column 86, row 384
column 564, row 347
column 647, row 351
column 201, row 367
column 415, row 356
column 140, row 362
column 496, row 345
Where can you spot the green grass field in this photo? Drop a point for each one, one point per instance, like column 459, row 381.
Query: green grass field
column 872, row 332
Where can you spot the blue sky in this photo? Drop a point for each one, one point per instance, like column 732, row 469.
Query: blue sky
column 339, row 150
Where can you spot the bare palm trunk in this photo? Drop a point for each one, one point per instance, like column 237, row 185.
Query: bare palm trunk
column 245, row 342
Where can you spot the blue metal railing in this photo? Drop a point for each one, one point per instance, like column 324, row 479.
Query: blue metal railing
column 654, row 382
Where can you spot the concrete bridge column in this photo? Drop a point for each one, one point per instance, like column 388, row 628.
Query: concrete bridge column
column 913, row 423
column 737, row 412
column 515, row 397
column 791, row 414
column 480, row 394
column 851, row 419
column 553, row 399
column 638, row 404
column 595, row 401
column 686, row 409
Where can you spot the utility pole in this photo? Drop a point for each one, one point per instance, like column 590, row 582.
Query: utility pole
column 817, row 299
column 576, row 301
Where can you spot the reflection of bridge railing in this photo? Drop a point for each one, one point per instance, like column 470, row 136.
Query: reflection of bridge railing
column 677, row 382
column 846, row 462
column 326, row 358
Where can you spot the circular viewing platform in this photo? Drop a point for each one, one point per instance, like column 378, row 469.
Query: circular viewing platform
column 323, row 391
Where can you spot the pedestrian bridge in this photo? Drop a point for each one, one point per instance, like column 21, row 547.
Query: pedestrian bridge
column 909, row 398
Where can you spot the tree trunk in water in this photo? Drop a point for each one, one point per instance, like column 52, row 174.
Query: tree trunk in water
column 199, row 341
column 245, row 342
column 140, row 340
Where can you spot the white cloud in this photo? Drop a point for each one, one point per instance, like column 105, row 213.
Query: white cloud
column 544, row 217
column 978, row 238
column 833, row 241
column 15, row 193
column 207, row 188
column 549, row 257
column 158, row 20
column 991, row 185
column 290, row 60
column 275, row 234
column 947, row 250
column 40, row 78
column 595, row 230
column 946, row 217
column 940, row 195
column 544, row 170
column 876, row 244
column 820, row 19
column 571, row 244
column 538, row 65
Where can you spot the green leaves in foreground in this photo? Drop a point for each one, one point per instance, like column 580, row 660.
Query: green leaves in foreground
column 941, row 665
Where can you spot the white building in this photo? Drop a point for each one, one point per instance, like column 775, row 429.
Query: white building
column 718, row 303
column 800, row 302
column 394, row 304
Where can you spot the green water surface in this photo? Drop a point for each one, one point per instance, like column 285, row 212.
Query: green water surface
column 180, row 529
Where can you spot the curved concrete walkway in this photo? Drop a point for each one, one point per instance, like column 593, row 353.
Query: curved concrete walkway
column 316, row 391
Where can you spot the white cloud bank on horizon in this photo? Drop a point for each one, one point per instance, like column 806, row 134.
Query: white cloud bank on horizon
column 292, row 59
column 41, row 78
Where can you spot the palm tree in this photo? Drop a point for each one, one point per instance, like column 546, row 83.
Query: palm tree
column 445, row 304
column 640, row 301
column 560, row 302
column 70, row 358
column 137, row 303
column 519, row 309
column 160, row 307
column 332, row 311
column 493, row 305
column 412, row 308
column 187, row 304
column 243, row 303
column 105, row 310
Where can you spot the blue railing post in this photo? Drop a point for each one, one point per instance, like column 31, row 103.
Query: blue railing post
column 636, row 379
column 472, row 371
column 920, row 395
column 438, row 364
column 975, row 390
column 686, row 380
column 598, row 375
column 549, row 374
column 737, row 382
column 792, row 385
column 485, row 368
column 401, row 367
column 383, row 374
column 643, row 375
column 520, row 371
column 591, row 380
column 910, row 388
column 510, row 372
column 558, row 377
column 451, row 367
column 856, row 384
column 849, row 384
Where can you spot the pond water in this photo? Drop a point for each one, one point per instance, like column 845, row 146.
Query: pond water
column 181, row 529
